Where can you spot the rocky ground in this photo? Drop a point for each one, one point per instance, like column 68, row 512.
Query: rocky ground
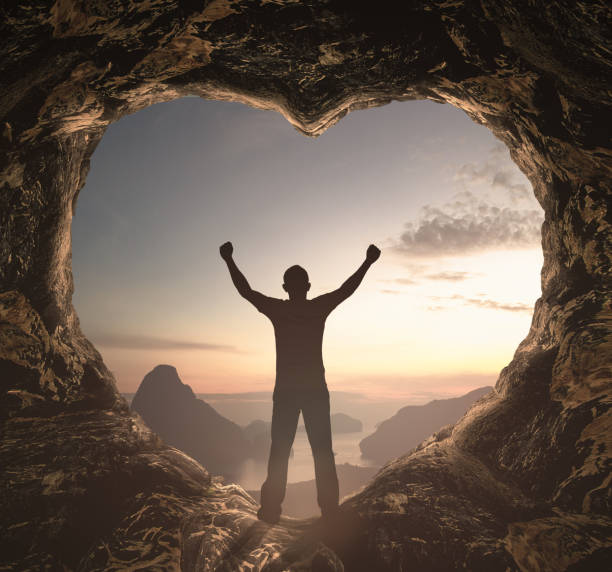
column 96, row 490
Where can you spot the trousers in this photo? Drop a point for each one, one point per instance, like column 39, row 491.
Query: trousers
column 285, row 414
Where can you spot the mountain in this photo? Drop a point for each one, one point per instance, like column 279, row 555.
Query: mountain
column 171, row 409
column 413, row 424
column 341, row 423
column 259, row 434
column 243, row 408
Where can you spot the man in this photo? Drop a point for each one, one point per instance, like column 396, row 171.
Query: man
column 300, row 378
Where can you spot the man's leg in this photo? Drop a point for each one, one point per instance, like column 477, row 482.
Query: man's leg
column 285, row 414
column 318, row 427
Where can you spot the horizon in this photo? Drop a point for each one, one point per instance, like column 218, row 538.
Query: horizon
column 244, row 407
column 268, row 393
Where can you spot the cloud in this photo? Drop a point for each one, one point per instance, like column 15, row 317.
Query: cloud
column 139, row 342
column 482, row 303
column 415, row 389
column 403, row 281
column 450, row 276
column 498, row 172
column 469, row 225
column 493, row 210
column 494, row 305
column 501, row 179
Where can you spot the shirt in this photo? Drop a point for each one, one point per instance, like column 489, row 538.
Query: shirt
column 298, row 331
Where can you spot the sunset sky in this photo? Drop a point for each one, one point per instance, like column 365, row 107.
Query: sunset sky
column 440, row 313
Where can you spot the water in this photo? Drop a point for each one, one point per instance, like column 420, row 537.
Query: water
column 301, row 465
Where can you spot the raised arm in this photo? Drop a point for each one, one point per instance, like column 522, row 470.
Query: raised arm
column 242, row 285
column 263, row 303
column 350, row 284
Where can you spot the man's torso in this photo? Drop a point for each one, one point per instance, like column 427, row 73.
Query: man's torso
column 298, row 331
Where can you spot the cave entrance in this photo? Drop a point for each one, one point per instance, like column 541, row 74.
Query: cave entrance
column 538, row 444
column 449, row 300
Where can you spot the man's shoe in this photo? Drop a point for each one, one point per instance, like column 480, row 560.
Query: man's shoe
column 269, row 517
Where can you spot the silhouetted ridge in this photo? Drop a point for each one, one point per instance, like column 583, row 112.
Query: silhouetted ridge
column 341, row 423
column 170, row 408
column 259, row 434
column 414, row 423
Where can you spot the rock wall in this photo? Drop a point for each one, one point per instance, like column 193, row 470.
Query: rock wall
column 523, row 481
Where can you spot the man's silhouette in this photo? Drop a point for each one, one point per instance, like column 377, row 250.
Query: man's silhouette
column 300, row 378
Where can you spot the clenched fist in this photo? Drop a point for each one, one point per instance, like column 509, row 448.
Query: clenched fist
column 226, row 250
column 372, row 254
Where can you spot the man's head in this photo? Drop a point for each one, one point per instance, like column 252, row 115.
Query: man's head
column 296, row 282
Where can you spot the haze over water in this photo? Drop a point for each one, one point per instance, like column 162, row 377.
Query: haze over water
column 301, row 466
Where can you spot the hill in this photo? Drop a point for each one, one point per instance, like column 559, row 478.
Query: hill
column 171, row 409
column 413, row 424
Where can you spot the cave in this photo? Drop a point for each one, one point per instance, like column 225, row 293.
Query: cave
column 522, row 482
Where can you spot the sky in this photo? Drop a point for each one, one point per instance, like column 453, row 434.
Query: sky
column 439, row 314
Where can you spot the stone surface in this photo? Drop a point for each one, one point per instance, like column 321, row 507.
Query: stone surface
column 521, row 482
column 413, row 424
column 93, row 490
column 226, row 535
column 170, row 408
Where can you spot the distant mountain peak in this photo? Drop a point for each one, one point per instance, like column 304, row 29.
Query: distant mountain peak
column 171, row 409
column 164, row 367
